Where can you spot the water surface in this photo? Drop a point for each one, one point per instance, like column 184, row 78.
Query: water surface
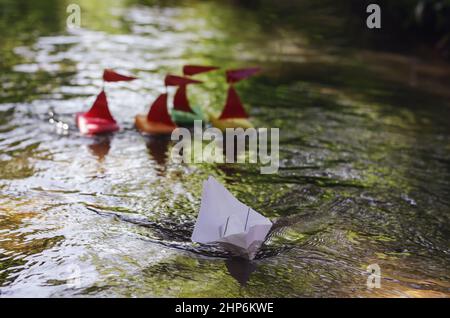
column 364, row 148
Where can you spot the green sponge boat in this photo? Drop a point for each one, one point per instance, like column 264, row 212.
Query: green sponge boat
column 185, row 118
column 182, row 113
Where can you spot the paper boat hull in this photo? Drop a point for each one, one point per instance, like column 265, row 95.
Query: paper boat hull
column 245, row 253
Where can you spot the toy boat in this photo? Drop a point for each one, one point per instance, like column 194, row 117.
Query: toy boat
column 98, row 119
column 233, row 114
column 158, row 120
column 226, row 221
column 183, row 113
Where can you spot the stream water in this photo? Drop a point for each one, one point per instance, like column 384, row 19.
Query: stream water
column 364, row 172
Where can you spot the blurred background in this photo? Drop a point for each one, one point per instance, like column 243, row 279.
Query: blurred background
column 364, row 148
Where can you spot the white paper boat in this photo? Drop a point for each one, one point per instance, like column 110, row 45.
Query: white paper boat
column 225, row 220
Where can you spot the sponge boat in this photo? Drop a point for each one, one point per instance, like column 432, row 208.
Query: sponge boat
column 157, row 121
column 98, row 118
column 183, row 113
column 233, row 114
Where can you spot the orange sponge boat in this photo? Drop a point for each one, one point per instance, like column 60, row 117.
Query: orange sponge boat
column 157, row 121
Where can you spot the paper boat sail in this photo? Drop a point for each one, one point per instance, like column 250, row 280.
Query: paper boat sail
column 100, row 109
column 158, row 111
column 225, row 220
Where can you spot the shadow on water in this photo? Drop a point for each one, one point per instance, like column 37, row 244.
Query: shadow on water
column 240, row 269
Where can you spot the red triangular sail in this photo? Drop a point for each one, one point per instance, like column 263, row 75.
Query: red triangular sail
column 100, row 108
column 197, row 69
column 234, row 76
column 111, row 76
column 158, row 111
column 180, row 100
column 233, row 106
column 173, row 80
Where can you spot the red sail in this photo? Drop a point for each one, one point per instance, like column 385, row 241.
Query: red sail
column 100, row 108
column 233, row 107
column 158, row 111
column 111, row 76
column 180, row 101
column 234, row 76
column 173, row 80
column 197, row 69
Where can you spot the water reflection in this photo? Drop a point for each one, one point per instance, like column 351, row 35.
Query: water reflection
column 100, row 146
column 240, row 269
column 158, row 149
